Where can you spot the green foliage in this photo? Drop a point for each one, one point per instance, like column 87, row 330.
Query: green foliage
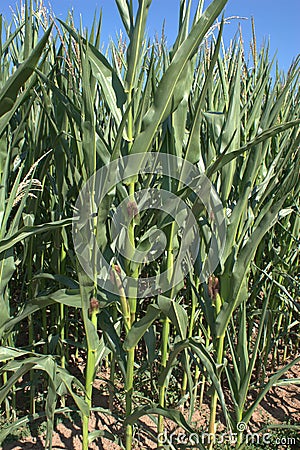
column 68, row 109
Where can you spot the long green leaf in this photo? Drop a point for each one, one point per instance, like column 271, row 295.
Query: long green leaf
column 10, row 90
column 165, row 99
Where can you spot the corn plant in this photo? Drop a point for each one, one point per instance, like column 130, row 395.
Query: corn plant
column 68, row 110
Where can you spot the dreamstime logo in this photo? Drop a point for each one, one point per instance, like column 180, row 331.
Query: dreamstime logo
column 230, row 438
column 200, row 227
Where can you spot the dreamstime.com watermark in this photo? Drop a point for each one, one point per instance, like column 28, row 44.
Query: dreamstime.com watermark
column 165, row 179
column 228, row 438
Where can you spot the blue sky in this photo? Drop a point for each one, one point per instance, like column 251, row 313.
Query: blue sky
column 274, row 19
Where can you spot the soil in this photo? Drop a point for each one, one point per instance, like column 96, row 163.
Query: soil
column 281, row 404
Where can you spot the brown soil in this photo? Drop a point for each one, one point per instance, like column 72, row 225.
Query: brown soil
column 281, row 404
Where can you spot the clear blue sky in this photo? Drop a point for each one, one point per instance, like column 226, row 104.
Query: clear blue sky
column 274, row 19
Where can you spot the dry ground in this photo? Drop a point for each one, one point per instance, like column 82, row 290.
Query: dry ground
column 280, row 405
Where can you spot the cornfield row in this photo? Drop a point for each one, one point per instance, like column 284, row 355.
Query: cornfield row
column 67, row 109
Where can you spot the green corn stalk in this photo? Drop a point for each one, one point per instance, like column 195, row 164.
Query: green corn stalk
column 200, row 103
